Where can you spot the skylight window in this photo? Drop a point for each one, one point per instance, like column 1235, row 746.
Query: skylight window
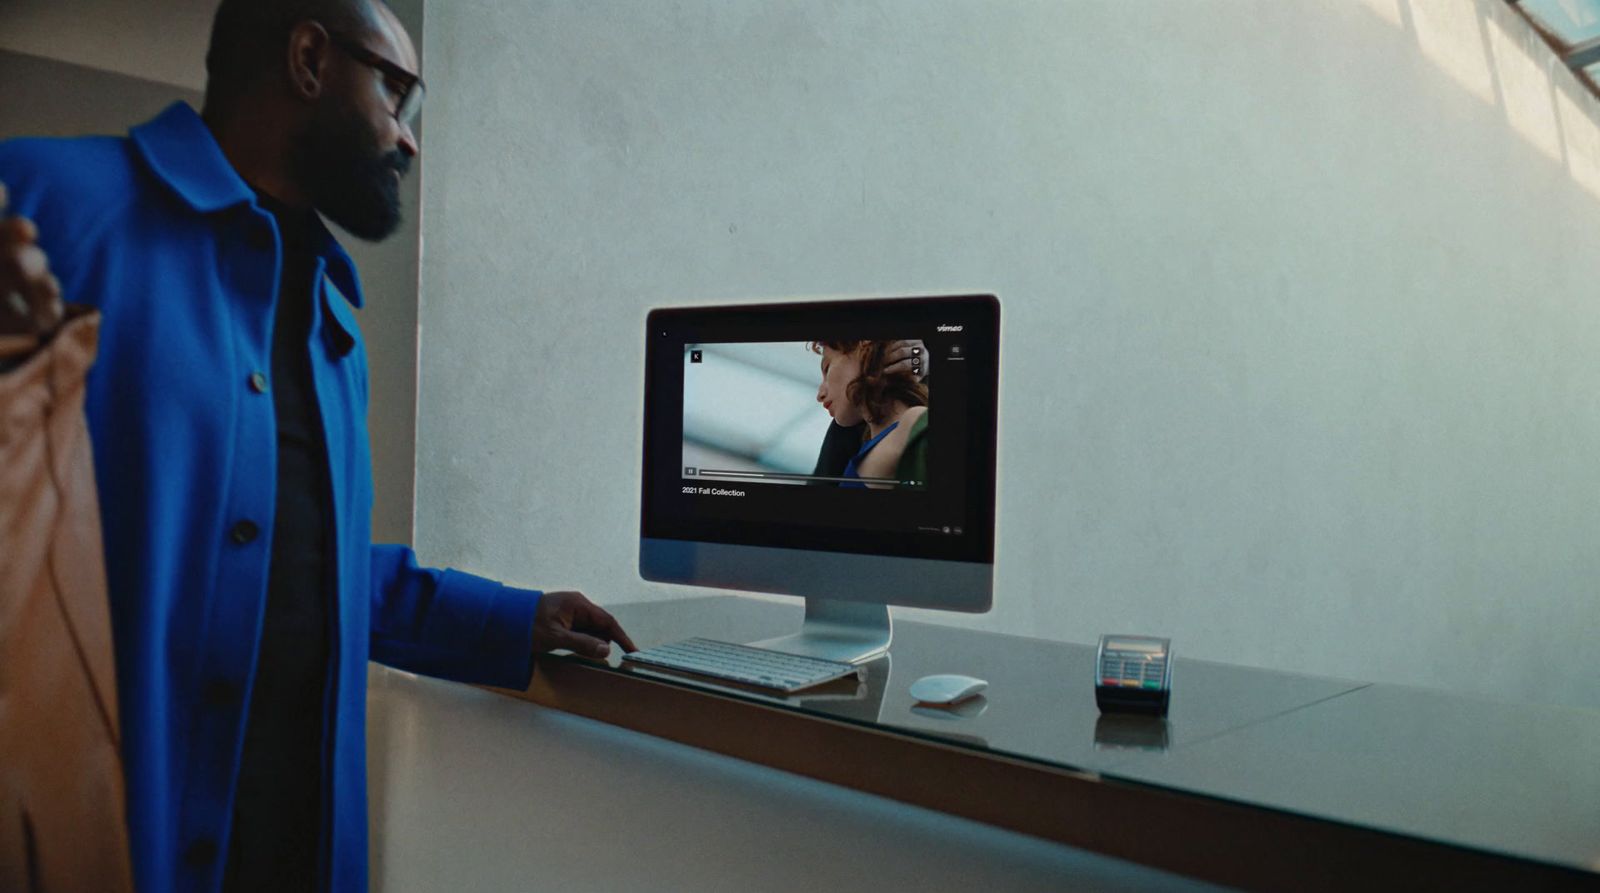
column 1572, row 28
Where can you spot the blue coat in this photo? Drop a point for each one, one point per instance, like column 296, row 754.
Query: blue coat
column 160, row 233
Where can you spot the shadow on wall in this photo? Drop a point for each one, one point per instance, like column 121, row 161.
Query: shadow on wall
column 1498, row 57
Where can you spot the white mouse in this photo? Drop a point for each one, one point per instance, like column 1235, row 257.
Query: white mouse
column 946, row 688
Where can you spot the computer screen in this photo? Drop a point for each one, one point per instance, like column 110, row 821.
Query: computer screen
column 832, row 450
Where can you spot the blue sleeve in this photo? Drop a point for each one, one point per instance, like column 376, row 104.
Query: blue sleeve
column 28, row 167
column 450, row 624
column 72, row 189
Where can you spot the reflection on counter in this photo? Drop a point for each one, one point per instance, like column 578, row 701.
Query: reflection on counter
column 847, row 698
column 1126, row 731
column 861, row 700
column 948, row 718
column 967, row 708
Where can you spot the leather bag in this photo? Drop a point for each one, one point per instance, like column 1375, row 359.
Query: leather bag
column 63, row 818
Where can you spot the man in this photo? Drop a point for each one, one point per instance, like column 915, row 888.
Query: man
column 227, row 410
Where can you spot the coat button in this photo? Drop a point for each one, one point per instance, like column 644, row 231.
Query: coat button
column 258, row 382
column 200, row 853
column 244, row 532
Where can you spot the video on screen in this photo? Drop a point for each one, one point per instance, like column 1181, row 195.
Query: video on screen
column 849, row 414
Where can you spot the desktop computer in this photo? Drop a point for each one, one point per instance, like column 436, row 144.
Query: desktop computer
column 842, row 452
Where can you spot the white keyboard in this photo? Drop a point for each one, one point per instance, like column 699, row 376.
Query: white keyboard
column 742, row 663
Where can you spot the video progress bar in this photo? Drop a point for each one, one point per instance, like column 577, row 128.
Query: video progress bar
column 781, row 476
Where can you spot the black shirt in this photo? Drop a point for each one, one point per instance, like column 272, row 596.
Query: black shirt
column 276, row 843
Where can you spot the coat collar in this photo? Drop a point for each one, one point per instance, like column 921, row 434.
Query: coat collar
column 180, row 151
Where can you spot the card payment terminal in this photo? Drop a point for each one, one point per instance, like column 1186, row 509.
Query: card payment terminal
column 1133, row 674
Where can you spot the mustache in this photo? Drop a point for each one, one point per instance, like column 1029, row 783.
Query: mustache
column 396, row 160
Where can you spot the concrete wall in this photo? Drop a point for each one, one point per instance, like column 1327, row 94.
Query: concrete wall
column 163, row 41
column 1299, row 326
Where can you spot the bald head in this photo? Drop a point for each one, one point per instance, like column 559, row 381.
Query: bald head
column 389, row 30
column 248, row 38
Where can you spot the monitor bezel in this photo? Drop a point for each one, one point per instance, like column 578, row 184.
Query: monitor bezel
column 668, row 329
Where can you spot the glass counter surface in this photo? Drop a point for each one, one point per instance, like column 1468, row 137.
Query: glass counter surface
column 1518, row 780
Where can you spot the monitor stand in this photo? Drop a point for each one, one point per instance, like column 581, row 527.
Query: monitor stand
column 849, row 632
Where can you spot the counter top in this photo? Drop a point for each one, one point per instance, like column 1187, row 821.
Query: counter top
column 1256, row 778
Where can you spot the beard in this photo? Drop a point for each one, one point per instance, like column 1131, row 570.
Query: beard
column 351, row 179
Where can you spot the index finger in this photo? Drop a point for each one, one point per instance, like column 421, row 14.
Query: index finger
column 607, row 624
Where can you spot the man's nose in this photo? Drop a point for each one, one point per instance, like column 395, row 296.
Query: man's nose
column 408, row 142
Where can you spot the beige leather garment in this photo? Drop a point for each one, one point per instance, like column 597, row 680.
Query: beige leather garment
column 63, row 820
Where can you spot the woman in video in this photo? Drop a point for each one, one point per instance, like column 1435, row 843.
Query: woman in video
column 862, row 387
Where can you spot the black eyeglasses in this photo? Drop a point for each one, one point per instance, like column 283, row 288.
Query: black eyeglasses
column 407, row 88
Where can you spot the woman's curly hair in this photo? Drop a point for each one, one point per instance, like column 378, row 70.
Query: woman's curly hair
column 875, row 390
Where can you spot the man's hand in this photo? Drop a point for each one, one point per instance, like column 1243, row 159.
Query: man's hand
column 30, row 296
column 910, row 357
column 569, row 620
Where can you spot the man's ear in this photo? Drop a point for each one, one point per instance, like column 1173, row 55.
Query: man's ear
column 308, row 50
